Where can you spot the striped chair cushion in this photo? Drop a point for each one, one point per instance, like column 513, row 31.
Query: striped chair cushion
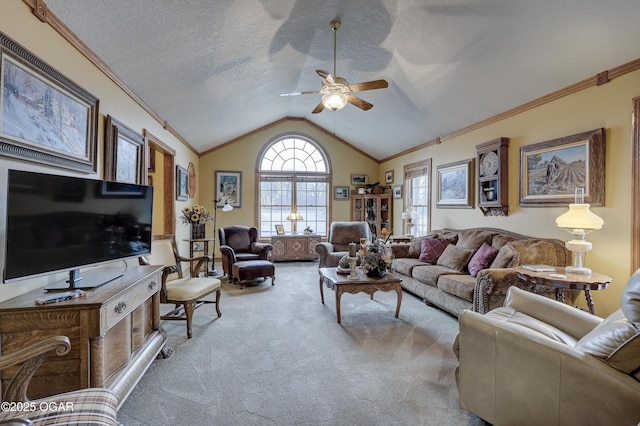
column 93, row 406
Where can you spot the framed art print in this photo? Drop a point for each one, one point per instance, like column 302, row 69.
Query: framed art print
column 551, row 171
column 455, row 185
column 182, row 184
column 229, row 188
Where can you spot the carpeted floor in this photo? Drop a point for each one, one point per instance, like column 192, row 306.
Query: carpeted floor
column 278, row 357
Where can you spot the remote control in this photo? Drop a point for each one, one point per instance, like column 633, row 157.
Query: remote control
column 557, row 276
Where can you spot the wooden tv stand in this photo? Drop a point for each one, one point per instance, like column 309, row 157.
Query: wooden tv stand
column 115, row 334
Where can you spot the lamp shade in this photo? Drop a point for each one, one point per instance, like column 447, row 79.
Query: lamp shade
column 579, row 217
column 334, row 101
column 227, row 207
column 294, row 216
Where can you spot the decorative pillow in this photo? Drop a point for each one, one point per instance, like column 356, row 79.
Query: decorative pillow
column 415, row 247
column 507, row 257
column 473, row 238
column 631, row 299
column 454, row 257
column 482, row 259
column 616, row 341
column 431, row 249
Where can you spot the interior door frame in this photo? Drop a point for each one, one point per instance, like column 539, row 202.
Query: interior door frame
column 167, row 164
column 635, row 186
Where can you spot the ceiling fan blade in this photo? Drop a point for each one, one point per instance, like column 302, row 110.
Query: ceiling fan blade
column 360, row 103
column 312, row 92
column 369, row 85
column 318, row 108
column 326, row 76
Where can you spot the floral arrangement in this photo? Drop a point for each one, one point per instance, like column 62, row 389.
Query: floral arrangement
column 195, row 215
column 376, row 258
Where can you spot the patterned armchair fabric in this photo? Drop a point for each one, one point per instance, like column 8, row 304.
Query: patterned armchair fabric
column 337, row 245
column 239, row 243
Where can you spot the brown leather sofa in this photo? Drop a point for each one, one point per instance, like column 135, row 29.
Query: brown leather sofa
column 536, row 361
column 446, row 282
column 337, row 244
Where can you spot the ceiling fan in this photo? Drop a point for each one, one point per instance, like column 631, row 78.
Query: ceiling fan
column 336, row 91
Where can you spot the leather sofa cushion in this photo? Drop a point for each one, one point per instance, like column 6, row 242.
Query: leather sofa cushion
column 429, row 274
column 432, row 249
column 508, row 314
column 461, row 286
column 455, row 257
column 473, row 238
column 343, row 233
column 616, row 341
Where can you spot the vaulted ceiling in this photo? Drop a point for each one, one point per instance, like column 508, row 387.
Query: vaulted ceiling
column 214, row 70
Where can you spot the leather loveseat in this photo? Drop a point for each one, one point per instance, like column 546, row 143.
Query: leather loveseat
column 456, row 269
column 536, row 361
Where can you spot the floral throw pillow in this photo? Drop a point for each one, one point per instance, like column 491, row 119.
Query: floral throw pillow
column 482, row 259
column 431, row 249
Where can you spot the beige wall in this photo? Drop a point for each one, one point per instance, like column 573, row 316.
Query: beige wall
column 18, row 23
column 243, row 154
column 607, row 106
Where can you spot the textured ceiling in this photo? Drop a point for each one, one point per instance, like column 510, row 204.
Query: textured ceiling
column 214, row 69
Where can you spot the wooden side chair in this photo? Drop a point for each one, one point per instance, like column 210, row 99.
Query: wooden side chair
column 187, row 293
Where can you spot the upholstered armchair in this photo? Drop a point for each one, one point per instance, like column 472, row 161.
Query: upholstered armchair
column 90, row 406
column 239, row 243
column 537, row 361
column 337, row 245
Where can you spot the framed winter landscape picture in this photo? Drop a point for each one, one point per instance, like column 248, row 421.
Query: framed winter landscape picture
column 46, row 118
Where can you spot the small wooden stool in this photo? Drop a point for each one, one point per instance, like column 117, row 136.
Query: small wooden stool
column 247, row 270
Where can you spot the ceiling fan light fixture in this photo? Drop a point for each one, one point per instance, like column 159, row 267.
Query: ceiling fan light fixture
column 334, row 101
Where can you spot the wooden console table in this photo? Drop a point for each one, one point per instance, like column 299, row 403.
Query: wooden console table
column 295, row 247
column 114, row 331
column 567, row 281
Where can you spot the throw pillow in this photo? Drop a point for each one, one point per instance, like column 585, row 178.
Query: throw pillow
column 507, row 257
column 482, row 259
column 616, row 341
column 454, row 257
column 431, row 249
column 473, row 238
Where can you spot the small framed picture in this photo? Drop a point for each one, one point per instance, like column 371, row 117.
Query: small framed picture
column 340, row 192
column 359, row 179
column 397, row 191
column 182, row 184
column 280, row 229
column 362, row 190
column 388, row 177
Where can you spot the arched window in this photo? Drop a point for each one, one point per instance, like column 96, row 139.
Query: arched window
column 294, row 175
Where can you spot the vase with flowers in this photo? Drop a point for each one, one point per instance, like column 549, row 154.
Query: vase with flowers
column 376, row 259
column 197, row 217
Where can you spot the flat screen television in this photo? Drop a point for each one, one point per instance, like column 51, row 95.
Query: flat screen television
column 63, row 224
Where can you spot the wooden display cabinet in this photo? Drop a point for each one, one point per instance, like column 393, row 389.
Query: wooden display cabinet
column 114, row 331
column 375, row 209
column 294, row 247
column 493, row 174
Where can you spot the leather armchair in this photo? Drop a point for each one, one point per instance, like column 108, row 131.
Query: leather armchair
column 538, row 361
column 337, row 245
column 239, row 243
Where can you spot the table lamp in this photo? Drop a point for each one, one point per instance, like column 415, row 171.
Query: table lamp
column 579, row 221
column 294, row 217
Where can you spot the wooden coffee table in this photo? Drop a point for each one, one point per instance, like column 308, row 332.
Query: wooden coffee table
column 343, row 284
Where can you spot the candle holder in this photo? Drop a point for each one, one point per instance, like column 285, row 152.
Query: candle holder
column 352, row 268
